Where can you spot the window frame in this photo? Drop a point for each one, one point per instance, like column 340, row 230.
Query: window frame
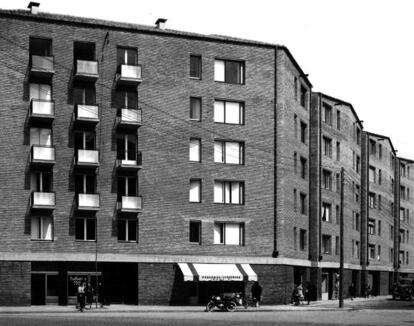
column 194, row 181
column 196, row 143
column 224, row 159
column 199, row 226
column 223, row 191
column 127, row 222
column 192, row 100
column 40, row 222
column 85, row 228
column 241, row 112
column 222, row 227
column 242, row 71
column 199, row 65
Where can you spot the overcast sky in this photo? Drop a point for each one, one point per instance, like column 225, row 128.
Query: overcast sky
column 361, row 51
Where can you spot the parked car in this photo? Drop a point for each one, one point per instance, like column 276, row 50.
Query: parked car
column 403, row 289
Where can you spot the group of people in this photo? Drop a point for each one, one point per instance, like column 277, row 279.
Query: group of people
column 301, row 293
column 86, row 294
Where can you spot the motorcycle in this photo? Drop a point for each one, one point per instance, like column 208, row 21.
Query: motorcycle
column 225, row 302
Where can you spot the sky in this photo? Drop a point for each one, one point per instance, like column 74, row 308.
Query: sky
column 360, row 51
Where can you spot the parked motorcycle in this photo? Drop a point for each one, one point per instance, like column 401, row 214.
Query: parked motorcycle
column 225, row 302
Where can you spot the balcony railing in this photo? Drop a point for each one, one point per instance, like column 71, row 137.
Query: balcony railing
column 41, row 66
column 87, row 70
column 88, row 202
column 43, row 200
column 87, row 113
column 42, row 154
column 42, row 109
column 132, row 204
column 130, row 75
column 130, row 162
column 130, row 117
column 87, row 157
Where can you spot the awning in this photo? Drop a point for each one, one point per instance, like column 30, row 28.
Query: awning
column 217, row 272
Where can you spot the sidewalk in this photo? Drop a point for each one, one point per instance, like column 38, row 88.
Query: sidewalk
column 330, row 305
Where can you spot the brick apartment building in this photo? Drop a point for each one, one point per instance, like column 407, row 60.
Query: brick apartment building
column 170, row 166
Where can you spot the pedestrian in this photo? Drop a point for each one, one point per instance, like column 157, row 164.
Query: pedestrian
column 300, row 292
column 257, row 293
column 335, row 291
column 308, row 292
column 81, row 296
column 295, row 295
column 368, row 291
column 89, row 295
column 101, row 294
column 352, row 291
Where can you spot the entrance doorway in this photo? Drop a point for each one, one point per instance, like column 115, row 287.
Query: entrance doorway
column 44, row 287
column 325, row 286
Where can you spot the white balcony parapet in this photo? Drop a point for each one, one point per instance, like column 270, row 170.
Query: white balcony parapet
column 43, row 199
column 131, row 203
column 42, row 64
column 42, row 108
column 86, row 156
column 87, row 68
column 88, row 201
column 87, row 112
column 43, row 154
column 131, row 116
column 130, row 74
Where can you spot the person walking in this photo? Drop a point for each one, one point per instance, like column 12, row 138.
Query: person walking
column 81, row 296
column 352, row 291
column 308, row 292
column 89, row 295
column 257, row 293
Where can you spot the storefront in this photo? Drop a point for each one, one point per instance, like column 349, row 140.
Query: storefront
column 44, row 288
column 77, row 278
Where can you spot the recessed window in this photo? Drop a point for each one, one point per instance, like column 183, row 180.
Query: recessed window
column 338, row 119
column 126, row 98
column 303, row 96
column 338, row 151
column 83, row 51
column 41, row 137
column 326, row 212
column 126, row 56
column 303, row 132
column 229, row 233
column 228, row 152
column 303, row 168
column 195, row 108
column 229, row 112
column 41, row 181
column 229, row 71
column 40, row 47
column 126, row 149
column 195, row 150
column 357, row 193
column 372, row 174
column 327, row 146
column 337, row 246
column 371, row 226
column 327, row 179
column 195, row 66
column 371, row 251
column 127, row 186
column 302, row 240
column 85, row 183
column 40, row 92
column 372, row 147
column 42, row 228
column 327, row 114
column 127, row 230
column 85, row 229
column 229, row 192
column 195, row 232
column 84, row 94
column 303, row 203
column 326, row 244
column 195, row 190
column 358, row 164
column 372, row 200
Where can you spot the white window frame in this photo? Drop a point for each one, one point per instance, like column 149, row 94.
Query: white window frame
column 229, row 192
column 221, row 109
column 229, row 233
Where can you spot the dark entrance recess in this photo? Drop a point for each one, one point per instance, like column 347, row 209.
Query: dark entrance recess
column 38, row 289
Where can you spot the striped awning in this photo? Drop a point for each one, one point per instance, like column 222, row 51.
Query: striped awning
column 217, row 272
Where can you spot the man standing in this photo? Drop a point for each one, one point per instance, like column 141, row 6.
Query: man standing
column 256, row 293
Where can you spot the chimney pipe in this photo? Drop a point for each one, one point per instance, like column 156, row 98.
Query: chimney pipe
column 34, row 7
column 160, row 23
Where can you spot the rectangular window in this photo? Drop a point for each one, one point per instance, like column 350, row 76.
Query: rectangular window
column 41, row 137
column 127, row 186
column 303, row 96
column 391, row 253
column 338, row 151
column 372, row 147
column 402, row 236
column 371, row 200
column 295, row 200
column 228, row 152
column 327, row 146
column 229, row 192
column 229, row 71
column 229, row 112
column 358, row 136
column 302, row 240
column 391, row 232
column 127, row 147
column 229, row 233
column 41, row 228
column 84, row 94
column 295, row 125
column 303, row 203
column 40, row 92
column 303, row 168
column 195, row 191
column 327, row 179
column 401, row 257
column 357, row 193
column 337, row 248
column 371, row 226
column 372, row 174
column 295, row 238
column 195, row 232
column 41, row 181
column 357, row 222
column 357, row 249
column 338, row 183
column 127, row 230
column 295, row 163
column 371, row 251
column 40, row 47
column 402, row 214
column 85, row 229
column 195, row 66
column 326, row 212
column 379, row 228
column 126, row 98
column 380, row 151
column 338, row 119
column 83, row 51
column 402, row 192
column 303, row 132
column 195, row 108
column 337, row 217
column 327, row 114
column 195, row 150
column 379, row 253
column 379, row 176
column 85, row 140
column 326, row 244
column 127, row 56
column 358, row 164
column 295, row 88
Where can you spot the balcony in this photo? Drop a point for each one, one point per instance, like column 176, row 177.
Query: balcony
column 130, row 118
column 86, row 70
column 87, row 158
column 42, row 155
column 130, row 204
column 41, row 66
column 130, row 75
column 130, row 163
column 86, row 113
column 42, row 110
column 88, row 202
column 42, row 200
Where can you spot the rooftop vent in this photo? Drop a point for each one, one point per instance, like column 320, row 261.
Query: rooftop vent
column 34, row 7
column 160, row 23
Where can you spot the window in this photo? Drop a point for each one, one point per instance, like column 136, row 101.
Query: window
column 85, row 229
column 228, row 112
column 402, row 236
column 327, row 179
column 295, row 237
column 337, row 246
column 41, row 181
column 303, row 96
column 303, row 132
column 327, row 146
column 407, row 260
column 41, row 228
column 295, row 88
column 401, row 257
column 358, row 164
column 371, row 200
column 195, row 232
column 127, row 148
column 338, row 119
column 402, row 214
column 358, row 136
column 379, row 202
column 303, row 168
column 379, row 228
column 357, row 192
column 229, row 233
column 326, row 244
column 337, row 215
column 295, row 200
column 391, row 253
column 195, row 190
column 372, row 174
column 302, row 198
column 408, row 193
column 127, row 186
column 357, row 221
column 391, row 232
column 371, row 251
column 338, row 183
column 327, row 114
column 402, row 170
column 195, row 108
column 127, row 98
column 126, row 56
column 380, row 151
column 195, row 66
column 379, row 176
column 371, row 226
column 83, row 51
column 127, row 230
column 85, row 140
column 408, row 236
column 402, row 192
column 229, row 192
column 295, row 163
column 40, row 47
column 392, row 186
column 84, row 94
column 338, row 151
column 372, row 147
column 326, row 212
column 379, row 253
column 229, row 71
column 195, row 150
column 357, row 249
column 85, row 184
column 41, row 137
column 40, row 92
column 228, row 152
column 302, row 240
